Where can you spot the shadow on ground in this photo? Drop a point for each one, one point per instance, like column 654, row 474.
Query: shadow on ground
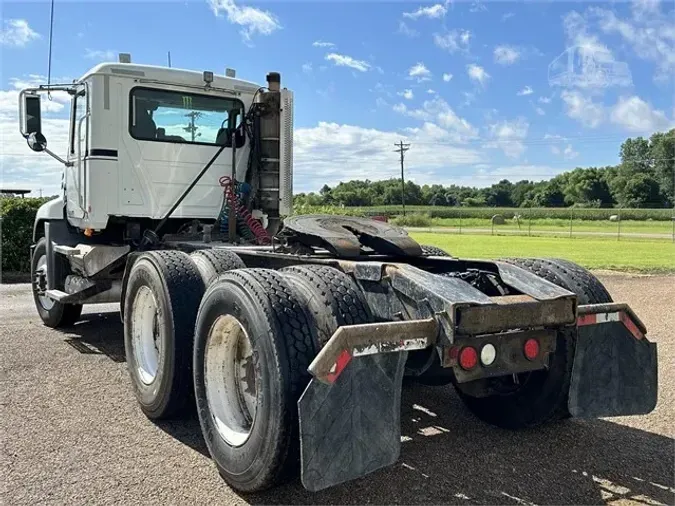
column 449, row 457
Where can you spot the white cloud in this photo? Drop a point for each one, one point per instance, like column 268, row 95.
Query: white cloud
column 649, row 32
column 440, row 112
column 17, row 33
column 477, row 6
column 508, row 136
column 433, row 11
column 406, row 30
column 407, row 94
column 594, row 64
column 447, row 77
column 100, row 55
column 320, row 43
column 420, row 72
column 508, row 15
column 454, row 41
column 431, row 92
column 307, row 68
column 330, row 152
column 506, row 55
column 477, row 73
column 342, row 60
column 636, row 115
column 527, row 90
column 583, row 109
column 540, row 111
column 251, row 19
column 545, row 100
column 569, row 153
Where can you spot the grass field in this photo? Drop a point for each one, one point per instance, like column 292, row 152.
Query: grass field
column 559, row 225
column 593, row 253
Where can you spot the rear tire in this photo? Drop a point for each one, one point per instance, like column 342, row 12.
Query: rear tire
column 163, row 294
column 52, row 313
column 543, row 396
column 252, row 451
column 211, row 263
column 332, row 297
column 434, row 251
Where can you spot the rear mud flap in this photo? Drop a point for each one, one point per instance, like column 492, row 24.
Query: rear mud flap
column 614, row 372
column 352, row 427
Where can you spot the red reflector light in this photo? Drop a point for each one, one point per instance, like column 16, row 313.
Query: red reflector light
column 531, row 349
column 468, row 358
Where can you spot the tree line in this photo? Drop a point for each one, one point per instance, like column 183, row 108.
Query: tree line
column 645, row 178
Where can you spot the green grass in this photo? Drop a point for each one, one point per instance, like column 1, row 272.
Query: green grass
column 651, row 256
column 559, row 225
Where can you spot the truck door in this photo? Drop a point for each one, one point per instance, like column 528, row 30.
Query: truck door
column 76, row 174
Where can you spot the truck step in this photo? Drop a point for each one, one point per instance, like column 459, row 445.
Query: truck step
column 57, row 295
column 66, row 250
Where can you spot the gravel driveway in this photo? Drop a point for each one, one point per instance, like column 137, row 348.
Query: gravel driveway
column 71, row 432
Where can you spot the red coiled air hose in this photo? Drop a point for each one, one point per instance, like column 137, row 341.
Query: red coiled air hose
column 254, row 225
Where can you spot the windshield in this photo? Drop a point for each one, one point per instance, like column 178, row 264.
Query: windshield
column 170, row 116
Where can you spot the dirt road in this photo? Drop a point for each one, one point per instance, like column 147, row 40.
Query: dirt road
column 72, row 434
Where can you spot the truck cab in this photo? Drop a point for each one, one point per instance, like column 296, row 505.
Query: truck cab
column 140, row 134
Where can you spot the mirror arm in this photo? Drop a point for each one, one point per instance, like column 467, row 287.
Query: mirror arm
column 57, row 157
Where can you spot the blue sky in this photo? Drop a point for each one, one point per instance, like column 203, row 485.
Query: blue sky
column 466, row 83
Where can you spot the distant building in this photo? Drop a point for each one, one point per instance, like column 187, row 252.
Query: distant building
column 588, row 67
column 13, row 192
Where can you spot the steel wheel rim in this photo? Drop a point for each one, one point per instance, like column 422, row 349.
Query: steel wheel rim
column 230, row 380
column 145, row 334
column 41, row 268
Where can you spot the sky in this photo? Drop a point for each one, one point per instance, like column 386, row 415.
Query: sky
column 481, row 91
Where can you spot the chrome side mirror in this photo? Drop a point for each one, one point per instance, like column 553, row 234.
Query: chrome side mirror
column 37, row 141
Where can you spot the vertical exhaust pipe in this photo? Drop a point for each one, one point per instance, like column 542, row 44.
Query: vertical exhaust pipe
column 274, row 81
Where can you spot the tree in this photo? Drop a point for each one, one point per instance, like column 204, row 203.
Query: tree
column 587, row 187
column 662, row 146
column 641, row 190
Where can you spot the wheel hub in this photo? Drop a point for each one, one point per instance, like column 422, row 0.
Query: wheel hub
column 230, row 378
column 145, row 334
column 40, row 283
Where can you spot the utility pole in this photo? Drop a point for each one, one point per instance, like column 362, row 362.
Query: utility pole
column 192, row 128
column 402, row 148
column 168, row 57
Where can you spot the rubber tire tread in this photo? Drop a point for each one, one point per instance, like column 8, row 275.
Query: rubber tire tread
column 333, row 298
column 277, row 300
column 60, row 315
column 183, row 286
column 220, row 260
column 532, row 410
column 433, row 251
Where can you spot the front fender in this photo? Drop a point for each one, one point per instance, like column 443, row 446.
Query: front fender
column 49, row 211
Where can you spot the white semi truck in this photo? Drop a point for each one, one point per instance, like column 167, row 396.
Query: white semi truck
column 290, row 335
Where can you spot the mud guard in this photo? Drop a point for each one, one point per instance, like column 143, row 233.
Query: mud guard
column 615, row 367
column 352, row 427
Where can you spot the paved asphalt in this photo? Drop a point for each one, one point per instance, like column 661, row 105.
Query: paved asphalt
column 72, row 434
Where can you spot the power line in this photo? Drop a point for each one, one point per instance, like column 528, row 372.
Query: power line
column 402, row 148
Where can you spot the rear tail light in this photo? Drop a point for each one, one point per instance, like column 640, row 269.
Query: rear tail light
column 468, row 358
column 531, row 349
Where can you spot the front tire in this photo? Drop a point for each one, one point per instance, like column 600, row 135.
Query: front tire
column 253, row 441
column 163, row 293
column 542, row 395
column 54, row 314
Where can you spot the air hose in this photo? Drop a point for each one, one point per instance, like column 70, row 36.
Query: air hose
column 247, row 226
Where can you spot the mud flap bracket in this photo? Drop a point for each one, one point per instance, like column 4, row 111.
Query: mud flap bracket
column 615, row 366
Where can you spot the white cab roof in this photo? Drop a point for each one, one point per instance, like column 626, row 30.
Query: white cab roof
column 169, row 75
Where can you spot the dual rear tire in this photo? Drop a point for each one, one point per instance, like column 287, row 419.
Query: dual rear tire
column 237, row 347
